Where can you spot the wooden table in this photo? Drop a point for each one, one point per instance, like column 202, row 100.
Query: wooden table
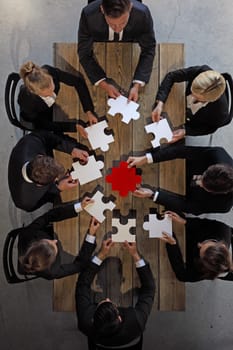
column 119, row 277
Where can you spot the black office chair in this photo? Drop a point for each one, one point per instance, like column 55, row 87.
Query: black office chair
column 138, row 346
column 11, row 89
column 10, row 261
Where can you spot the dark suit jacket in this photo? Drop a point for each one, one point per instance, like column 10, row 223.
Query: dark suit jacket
column 197, row 230
column 207, row 119
column 29, row 196
column 198, row 159
column 40, row 229
column 93, row 28
column 134, row 318
column 35, row 110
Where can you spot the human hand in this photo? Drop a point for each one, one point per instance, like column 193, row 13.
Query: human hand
column 132, row 249
column 143, row 192
column 133, row 93
column 105, row 248
column 94, row 225
column 167, row 238
column 86, row 201
column 177, row 135
column 156, row 113
column 91, row 118
column 82, row 131
column 67, row 183
column 80, row 154
column 175, row 217
column 110, row 89
column 136, row 161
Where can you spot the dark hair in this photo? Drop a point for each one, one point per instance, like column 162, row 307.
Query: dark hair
column 43, row 170
column 215, row 261
column 115, row 8
column 106, row 319
column 39, row 256
column 218, row 178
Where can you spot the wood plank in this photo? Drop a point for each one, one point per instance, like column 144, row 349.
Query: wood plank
column 172, row 177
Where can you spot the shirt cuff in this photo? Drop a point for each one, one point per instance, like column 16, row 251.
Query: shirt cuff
column 156, row 196
column 78, row 207
column 142, row 83
column 99, row 81
column 149, row 158
column 140, row 263
column 96, row 260
column 89, row 238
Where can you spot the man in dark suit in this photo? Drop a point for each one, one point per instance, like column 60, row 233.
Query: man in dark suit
column 104, row 323
column 208, row 250
column 116, row 20
column 34, row 177
column 209, row 179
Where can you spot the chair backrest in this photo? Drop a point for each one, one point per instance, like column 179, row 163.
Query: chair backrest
column 137, row 346
column 10, row 100
column 229, row 92
column 8, row 260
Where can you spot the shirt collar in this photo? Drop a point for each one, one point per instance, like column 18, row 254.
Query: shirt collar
column 24, row 173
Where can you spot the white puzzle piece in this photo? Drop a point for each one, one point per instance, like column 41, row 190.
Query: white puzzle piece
column 127, row 108
column 97, row 136
column 123, row 233
column 97, row 208
column 88, row 172
column 160, row 130
column 156, row 226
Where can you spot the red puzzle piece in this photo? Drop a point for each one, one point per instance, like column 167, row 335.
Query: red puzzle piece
column 123, row 179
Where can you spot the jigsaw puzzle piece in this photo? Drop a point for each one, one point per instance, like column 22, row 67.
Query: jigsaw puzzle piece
column 97, row 208
column 124, row 225
column 161, row 130
column 123, row 179
column 156, row 226
column 87, row 172
column 121, row 105
column 97, row 136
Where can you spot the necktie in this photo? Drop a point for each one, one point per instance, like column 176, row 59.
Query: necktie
column 116, row 36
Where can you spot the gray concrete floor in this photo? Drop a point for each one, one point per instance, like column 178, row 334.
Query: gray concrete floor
column 27, row 31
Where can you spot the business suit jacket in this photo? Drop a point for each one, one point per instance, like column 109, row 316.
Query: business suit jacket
column 207, row 119
column 34, row 109
column 198, row 159
column 39, row 229
column 133, row 318
column 197, row 230
column 29, row 196
column 93, row 28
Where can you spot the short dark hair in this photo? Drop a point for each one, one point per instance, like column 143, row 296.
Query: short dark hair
column 216, row 260
column 106, row 319
column 218, row 178
column 43, row 170
column 115, row 8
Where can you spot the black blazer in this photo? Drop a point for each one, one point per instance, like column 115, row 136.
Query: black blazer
column 41, row 229
column 198, row 159
column 134, row 318
column 207, row 119
column 93, row 28
column 29, row 196
column 35, row 110
column 197, row 230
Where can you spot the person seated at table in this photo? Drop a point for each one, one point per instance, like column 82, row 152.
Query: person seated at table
column 38, row 95
column 40, row 251
column 206, row 107
column 208, row 250
column 34, row 176
column 209, row 179
column 116, row 20
column 105, row 324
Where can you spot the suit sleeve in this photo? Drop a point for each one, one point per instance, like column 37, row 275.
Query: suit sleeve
column 85, row 52
column 177, row 76
column 146, row 295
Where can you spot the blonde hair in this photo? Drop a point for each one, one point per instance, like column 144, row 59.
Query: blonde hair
column 35, row 78
column 209, row 84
